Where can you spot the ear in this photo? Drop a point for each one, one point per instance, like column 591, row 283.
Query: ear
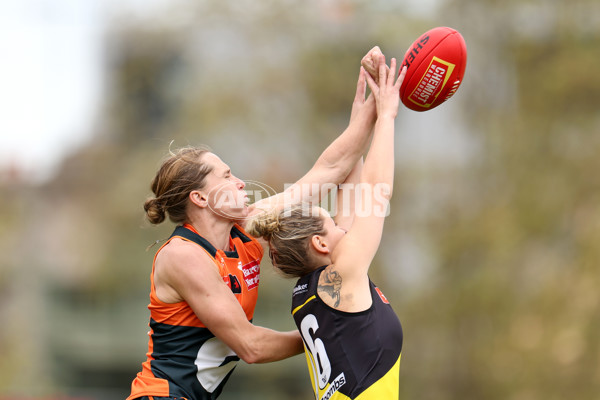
column 318, row 243
column 198, row 198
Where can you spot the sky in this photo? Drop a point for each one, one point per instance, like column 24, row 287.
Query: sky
column 51, row 77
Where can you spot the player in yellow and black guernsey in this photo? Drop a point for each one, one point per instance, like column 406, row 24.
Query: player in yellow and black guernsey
column 350, row 355
column 352, row 337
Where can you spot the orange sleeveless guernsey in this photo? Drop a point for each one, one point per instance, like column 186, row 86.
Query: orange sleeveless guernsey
column 184, row 358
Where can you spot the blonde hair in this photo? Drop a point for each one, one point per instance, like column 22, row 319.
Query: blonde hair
column 289, row 233
column 179, row 174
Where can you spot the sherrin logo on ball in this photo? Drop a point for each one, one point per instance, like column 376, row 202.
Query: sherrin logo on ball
column 435, row 64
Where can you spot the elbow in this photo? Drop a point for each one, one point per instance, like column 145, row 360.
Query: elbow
column 253, row 357
column 381, row 200
column 383, row 191
column 249, row 359
column 252, row 354
column 251, row 345
column 387, row 192
column 336, row 168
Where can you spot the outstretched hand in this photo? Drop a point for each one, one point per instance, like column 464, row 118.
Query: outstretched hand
column 387, row 93
column 359, row 104
column 371, row 62
column 369, row 66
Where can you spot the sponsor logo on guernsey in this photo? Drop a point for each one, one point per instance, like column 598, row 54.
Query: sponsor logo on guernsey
column 334, row 386
column 234, row 284
column 300, row 289
column 381, row 295
column 251, row 273
column 432, row 83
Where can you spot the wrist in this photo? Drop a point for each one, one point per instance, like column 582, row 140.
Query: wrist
column 389, row 115
column 363, row 120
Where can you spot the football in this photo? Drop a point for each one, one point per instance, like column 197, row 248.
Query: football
column 435, row 64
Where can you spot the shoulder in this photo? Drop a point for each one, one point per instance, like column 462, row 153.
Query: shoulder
column 180, row 256
column 341, row 293
column 330, row 286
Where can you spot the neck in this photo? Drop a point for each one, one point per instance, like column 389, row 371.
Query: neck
column 320, row 259
column 215, row 230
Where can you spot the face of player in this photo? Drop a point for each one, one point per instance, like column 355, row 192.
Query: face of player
column 225, row 192
column 333, row 233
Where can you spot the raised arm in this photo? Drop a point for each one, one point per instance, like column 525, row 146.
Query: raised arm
column 338, row 159
column 353, row 255
column 346, row 197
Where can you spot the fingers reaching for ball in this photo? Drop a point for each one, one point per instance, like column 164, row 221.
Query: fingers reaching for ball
column 387, row 92
column 371, row 62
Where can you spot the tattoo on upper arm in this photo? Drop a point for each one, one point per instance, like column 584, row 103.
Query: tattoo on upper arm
column 330, row 282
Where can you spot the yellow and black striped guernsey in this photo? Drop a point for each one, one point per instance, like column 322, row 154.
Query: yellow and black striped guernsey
column 349, row 355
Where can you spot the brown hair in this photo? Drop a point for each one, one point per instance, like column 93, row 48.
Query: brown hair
column 179, row 174
column 289, row 233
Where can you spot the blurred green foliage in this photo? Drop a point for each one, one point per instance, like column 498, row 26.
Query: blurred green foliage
column 490, row 258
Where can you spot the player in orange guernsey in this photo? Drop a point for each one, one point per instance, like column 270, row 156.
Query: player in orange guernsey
column 205, row 278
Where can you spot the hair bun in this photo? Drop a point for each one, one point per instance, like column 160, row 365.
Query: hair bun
column 155, row 212
column 264, row 225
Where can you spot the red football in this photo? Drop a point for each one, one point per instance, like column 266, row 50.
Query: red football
column 436, row 64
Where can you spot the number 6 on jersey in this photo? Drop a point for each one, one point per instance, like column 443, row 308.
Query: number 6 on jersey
column 318, row 356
